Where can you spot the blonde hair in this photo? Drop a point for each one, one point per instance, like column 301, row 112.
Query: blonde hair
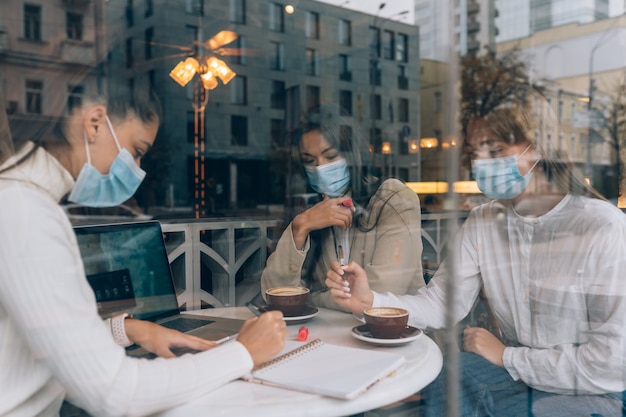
column 533, row 122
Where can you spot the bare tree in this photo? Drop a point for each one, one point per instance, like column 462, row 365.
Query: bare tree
column 488, row 81
column 615, row 125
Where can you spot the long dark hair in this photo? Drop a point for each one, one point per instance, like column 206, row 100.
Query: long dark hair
column 339, row 129
column 121, row 102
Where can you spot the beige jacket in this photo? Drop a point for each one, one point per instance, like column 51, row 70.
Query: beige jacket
column 390, row 253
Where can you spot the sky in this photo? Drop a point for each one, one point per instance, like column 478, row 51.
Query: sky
column 394, row 7
column 390, row 11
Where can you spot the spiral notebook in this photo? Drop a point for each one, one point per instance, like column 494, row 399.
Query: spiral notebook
column 325, row 369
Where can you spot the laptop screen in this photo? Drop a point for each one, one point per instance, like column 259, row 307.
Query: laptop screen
column 127, row 267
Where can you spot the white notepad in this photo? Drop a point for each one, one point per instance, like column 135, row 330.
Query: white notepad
column 325, row 369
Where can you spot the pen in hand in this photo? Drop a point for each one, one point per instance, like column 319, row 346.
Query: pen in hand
column 342, row 259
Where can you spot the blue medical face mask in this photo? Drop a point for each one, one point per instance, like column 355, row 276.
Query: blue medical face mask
column 499, row 178
column 95, row 189
column 331, row 179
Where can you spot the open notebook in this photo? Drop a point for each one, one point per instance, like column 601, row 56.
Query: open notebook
column 325, row 369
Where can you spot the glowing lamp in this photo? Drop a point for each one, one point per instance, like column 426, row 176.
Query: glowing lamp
column 220, row 69
column 208, row 80
column 428, row 143
column 224, row 37
column 413, row 146
column 184, row 71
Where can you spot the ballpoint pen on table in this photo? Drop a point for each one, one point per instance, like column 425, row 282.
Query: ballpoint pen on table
column 256, row 309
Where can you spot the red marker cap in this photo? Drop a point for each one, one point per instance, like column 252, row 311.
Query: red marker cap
column 347, row 202
column 303, row 334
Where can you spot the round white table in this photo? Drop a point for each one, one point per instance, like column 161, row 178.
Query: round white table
column 240, row 398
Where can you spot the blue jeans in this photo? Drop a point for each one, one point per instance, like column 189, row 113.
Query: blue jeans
column 488, row 390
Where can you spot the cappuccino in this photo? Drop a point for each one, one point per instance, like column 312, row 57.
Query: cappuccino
column 287, row 290
column 290, row 300
column 386, row 322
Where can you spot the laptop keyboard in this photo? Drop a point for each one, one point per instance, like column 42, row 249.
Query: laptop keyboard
column 185, row 325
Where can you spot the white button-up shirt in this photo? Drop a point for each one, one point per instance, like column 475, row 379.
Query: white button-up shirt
column 556, row 285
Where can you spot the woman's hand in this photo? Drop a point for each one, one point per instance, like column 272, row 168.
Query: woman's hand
column 482, row 342
column 349, row 287
column 328, row 212
column 159, row 340
column 263, row 336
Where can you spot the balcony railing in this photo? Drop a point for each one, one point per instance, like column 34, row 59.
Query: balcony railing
column 78, row 52
column 219, row 263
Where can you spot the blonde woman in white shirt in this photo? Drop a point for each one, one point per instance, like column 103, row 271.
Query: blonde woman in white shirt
column 53, row 344
column 550, row 254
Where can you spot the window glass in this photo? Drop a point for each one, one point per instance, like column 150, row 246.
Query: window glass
column 237, row 11
column 312, row 25
column 32, row 22
column 345, row 32
column 34, row 96
column 277, row 17
column 74, row 25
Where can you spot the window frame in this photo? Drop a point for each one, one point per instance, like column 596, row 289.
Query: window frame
column 32, row 22
column 312, row 25
column 345, row 32
column 276, row 17
column 237, row 11
column 33, row 93
column 74, row 25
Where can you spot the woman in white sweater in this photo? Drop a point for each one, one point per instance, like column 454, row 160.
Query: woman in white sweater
column 53, row 344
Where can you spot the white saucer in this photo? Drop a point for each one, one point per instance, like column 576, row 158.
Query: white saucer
column 362, row 332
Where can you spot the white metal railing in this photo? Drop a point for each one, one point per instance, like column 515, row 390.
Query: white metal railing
column 219, row 251
column 219, row 262
column 435, row 236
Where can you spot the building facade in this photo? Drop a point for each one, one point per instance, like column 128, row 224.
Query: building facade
column 286, row 60
column 519, row 18
column 48, row 58
column 286, row 63
column 573, row 64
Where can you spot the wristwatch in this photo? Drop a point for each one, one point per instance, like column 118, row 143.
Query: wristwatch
column 118, row 331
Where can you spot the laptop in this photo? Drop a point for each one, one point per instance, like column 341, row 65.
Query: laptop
column 127, row 267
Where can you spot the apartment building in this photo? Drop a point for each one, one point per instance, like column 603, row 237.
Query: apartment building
column 287, row 61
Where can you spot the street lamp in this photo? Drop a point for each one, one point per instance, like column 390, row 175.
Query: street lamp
column 209, row 69
column 599, row 43
column 374, row 55
column 589, row 167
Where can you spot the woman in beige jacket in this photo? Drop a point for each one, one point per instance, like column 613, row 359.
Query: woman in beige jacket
column 373, row 222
